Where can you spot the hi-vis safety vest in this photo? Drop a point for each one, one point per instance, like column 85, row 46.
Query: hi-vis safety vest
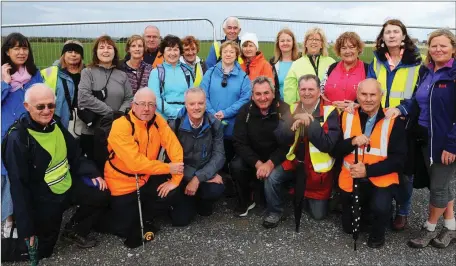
column 403, row 84
column 217, row 52
column 379, row 139
column 198, row 75
column 57, row 175
column 321, row 162
column 50, row 77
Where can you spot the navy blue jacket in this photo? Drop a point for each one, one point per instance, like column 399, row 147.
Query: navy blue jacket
column 442, row 104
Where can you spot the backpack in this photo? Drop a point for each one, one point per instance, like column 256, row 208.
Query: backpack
column 101, row 153
column 23, row 135
column 161, row 78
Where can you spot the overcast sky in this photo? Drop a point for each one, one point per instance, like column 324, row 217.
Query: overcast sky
column 437, row 14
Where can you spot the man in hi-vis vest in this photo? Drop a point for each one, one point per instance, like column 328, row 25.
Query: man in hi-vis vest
column 48, row 174
column 314, row 134
column 382, row 151
column 231, row 28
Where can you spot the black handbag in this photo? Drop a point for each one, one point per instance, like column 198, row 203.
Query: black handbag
column 14, row 249
column 89, row 117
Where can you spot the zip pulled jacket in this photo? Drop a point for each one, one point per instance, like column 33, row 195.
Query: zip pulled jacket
column 204, row 153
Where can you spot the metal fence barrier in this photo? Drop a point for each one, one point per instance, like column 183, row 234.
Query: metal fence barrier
column 47, row 39
column 267, row 28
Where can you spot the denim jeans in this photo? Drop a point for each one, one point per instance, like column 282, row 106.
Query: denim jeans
column 274, row 190
column 404, row 196
column 7, row 201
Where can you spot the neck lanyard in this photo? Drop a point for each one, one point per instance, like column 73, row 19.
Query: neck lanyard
column 315, row 67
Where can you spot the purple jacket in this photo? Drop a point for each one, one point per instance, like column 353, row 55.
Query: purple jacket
column 442, row 105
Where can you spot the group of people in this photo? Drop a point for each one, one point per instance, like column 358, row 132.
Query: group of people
column 173, row 125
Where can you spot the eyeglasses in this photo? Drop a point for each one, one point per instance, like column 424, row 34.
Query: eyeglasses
column 41, row 107
column 144, row 104
column 314, row 40
column 225, row 80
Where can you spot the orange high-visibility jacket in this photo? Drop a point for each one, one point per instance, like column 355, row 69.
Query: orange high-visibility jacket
column 138, row 153
column 379, row 139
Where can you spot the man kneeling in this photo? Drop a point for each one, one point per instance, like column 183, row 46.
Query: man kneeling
column 201, row 136
column 48, row 174
column 134, row 143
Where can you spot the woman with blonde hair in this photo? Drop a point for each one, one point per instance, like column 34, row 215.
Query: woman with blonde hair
column 315, row 60
column 285, row 53
column 137, row 70
column 63, row 77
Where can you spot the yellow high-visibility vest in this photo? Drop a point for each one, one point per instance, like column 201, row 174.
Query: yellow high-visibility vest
column 403, row 84
column 321, row 162
column 198, row 75
column 50, row 77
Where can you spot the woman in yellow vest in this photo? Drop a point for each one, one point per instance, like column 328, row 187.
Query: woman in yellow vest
column 395, row 65
column 191, row 59
column 315, row 60
column 63, row 78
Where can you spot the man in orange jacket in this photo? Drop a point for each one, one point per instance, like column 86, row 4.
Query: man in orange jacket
column 134, row 144
column 381, row 154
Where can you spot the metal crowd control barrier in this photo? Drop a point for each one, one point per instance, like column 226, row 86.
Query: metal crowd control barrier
column 47, row 39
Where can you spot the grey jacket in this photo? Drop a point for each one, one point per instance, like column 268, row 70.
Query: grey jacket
column 119, row 91
column 204, row 154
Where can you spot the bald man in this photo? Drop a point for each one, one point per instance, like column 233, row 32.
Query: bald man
column 134, row 143
column 48, row 174
column 381, row 154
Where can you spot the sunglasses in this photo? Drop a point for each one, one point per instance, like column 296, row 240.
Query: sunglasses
column 225, row 80
column 41, row 107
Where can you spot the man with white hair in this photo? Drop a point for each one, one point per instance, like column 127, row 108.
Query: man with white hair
column 381, row 146
column 48, row 173
column 232, row 28
column 152, row 54
column 201, row 135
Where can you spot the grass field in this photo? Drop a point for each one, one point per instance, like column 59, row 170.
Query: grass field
column 46, row 53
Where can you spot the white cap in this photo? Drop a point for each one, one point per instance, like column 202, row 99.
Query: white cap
column 251, row 37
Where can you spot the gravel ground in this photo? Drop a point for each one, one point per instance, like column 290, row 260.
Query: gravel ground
column 226, row 240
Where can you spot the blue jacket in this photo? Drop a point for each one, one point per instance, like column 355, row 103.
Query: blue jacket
column 61, row 108
column 204, row 154
column 211, row 59
column 173, row 91
column 13, row 105
column 442, row 130
column 391, row 74
column 229, row 99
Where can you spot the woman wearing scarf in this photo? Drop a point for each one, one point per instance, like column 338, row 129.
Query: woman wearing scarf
column 18, row 74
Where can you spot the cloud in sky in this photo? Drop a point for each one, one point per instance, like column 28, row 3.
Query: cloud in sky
column 439, row 14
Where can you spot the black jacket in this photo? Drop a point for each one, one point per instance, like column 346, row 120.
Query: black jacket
column 397, row 147
column 257, row 137
column 26, row 162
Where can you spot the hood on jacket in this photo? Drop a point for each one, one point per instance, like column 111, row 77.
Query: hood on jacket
column 408, row 58
column 235, row 71
column 182, row 60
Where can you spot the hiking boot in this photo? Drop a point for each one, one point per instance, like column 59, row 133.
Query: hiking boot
column 425, row 237
column 445, row 237
column 375, row 242
column 272, row 220
column 80, row 241
column 243, row 210
column 399, row 222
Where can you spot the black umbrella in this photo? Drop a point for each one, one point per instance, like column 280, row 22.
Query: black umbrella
column 356, row 207
column 300, row 184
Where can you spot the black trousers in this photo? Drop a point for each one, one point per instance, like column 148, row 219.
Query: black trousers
column 122, row 218
column 187, row 206
column 245, row 179
column 375, row 208
column 86, row 142
column 48, row 215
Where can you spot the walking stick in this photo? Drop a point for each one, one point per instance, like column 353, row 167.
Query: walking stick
column 356, row 208
column 140, row 211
